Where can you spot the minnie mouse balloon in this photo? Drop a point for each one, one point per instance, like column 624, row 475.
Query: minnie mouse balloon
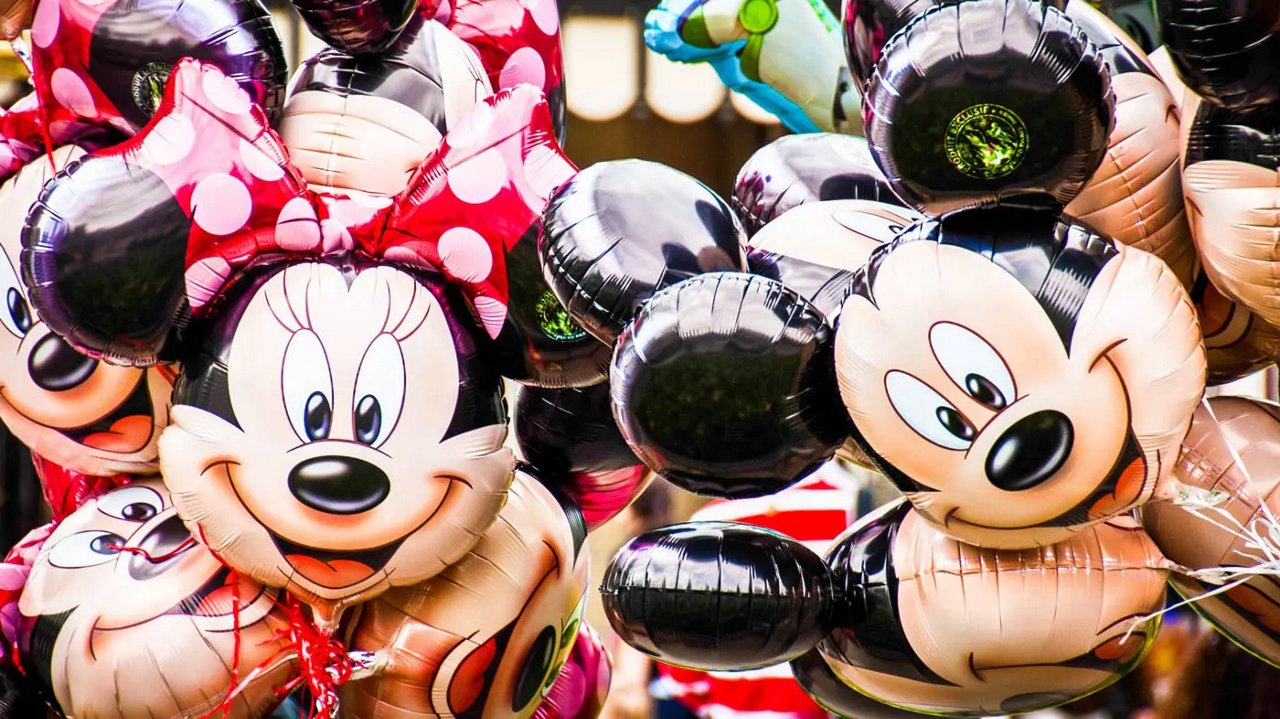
column 126, row 615
column 335, row 358
column 908, row 639
column 104, row 64
column 488, row 636
column 1016, row 375
column 357, row 26
column 1232, row 448
column 959, row 119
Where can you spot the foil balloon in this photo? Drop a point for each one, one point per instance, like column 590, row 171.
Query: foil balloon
column 620, row 231
column 300, row 316
column 782, row 54
column 486, row 637
column 1226, row 52
column 1135, row 195
column 580, row 690
column 1018, row 376
column 86, row 416
column 905, row 640
column 570, row 439
column 797, row 169
column 960, row 119
column 1230, row 449
column 1237, row 342
column 723, row 385
column 103, row 66
column 124, row 614
column 718, row 595
column 357, row 26
column 518, row 42
column 15, row 16
column 832, row 694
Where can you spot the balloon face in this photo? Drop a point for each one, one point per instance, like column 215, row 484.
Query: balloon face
column 364, row 124
column 487, row 637
column 1232, row 447
column 128, row 616
column 82, row 414
column 909, row 642
column 337, row 433
column 990, row 364
column 1237, row 342
column 105, row 64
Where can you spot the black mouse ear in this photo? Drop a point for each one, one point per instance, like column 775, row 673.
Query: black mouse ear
column 620, row 231
column 1018, row 111
column 359, row 27
column 724, row 385
column 1227, row 51
column 718, row 596
column 798, row 169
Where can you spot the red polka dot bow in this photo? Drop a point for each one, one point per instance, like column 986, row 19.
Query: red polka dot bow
column 465, row 207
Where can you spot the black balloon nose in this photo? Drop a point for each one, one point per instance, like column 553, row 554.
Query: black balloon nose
column 55, row 366
column 1030, row 451
column 161, row 541
column 339, row 485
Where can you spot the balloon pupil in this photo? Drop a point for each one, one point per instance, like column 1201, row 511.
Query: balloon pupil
column 319, row 417
column 368, row 419
column 983, row 390
column 138, row 512
column 106, row 544
column 18, row 310
column 955, row 423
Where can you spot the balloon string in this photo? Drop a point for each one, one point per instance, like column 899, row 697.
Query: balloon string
column 234, row 578
column 187, row 543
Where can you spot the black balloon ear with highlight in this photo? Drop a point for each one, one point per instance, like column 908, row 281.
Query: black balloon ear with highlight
column 358, row 27
column 1226, row 51
column 620, row 231
column 718, row 596
column 1019, row 112
column 724, row 384
column 103, row 258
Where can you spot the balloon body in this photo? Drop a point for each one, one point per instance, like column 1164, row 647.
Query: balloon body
column 580, row 690
column 906, row 640
column 723, row 385
column 1237, row 342
column 1231, row 448
column 85, row 416
column 104, row 65
column 798, row 169
column 357, row 26
column 124, row 564
column 1017, row 376
column 1227, row 52
column 620, row 231
column 961, row 120
column 488, row 636
column 717, row 595
column 573, row 444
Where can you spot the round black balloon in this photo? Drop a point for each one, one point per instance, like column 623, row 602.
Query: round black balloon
column 725, row 385
column 717, row 596
column 1227, row 51
column 356, row 26
column 1220, row 133
column 796, row 169
column 539, row 343
column 826, row 287
column 103, row 259
column 957, row 118
column 620, row 231
column 819, row 682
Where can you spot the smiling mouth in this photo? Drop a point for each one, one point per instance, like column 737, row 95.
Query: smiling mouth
column 127, row 428
column 216, row 597
column 335, row 569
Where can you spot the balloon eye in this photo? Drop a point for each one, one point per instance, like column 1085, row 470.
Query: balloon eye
column 536, row 667
column 985, row 391
column 106, row 544
column 368, row 419
column 85, row 549
column 319, row 417
column 19, row 312
column 138, row 512
column 956, row 424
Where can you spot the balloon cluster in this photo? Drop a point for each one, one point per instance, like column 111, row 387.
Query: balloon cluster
column 258, row 335
column 994, row 300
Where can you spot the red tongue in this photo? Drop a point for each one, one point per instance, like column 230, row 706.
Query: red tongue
column 127, row 434
column 336, row 574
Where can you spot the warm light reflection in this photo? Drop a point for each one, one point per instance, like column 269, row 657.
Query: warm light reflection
column 681, row 92
column 602, row 65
